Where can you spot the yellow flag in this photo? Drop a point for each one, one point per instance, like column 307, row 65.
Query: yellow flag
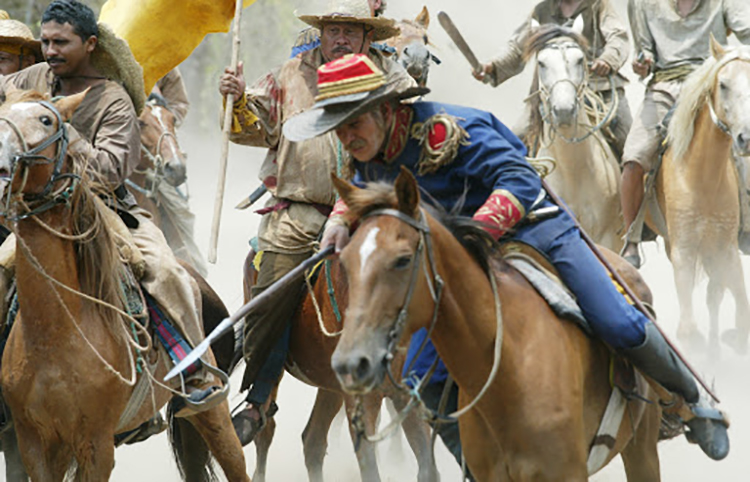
column 163, row 33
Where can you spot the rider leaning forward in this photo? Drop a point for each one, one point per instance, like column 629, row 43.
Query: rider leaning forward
column 607, row 38
column 671, row 40
column 462, row 155
column 82, row 55
column 297, row 174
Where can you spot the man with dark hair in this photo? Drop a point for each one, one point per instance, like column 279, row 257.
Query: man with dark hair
column 297, row 177
column 18, row 48
column 81, row 56
column 468, row 160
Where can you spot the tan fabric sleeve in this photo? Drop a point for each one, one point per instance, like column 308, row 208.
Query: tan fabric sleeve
column 263, row 100
column 511, row 62
column 615, row 34
column 172, row 88
column 737, row 18
column 642, row 38
column 114, row 150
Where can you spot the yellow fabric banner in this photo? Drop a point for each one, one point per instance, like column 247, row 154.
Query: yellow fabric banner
column 163, row 33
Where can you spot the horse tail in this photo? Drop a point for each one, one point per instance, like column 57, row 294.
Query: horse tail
column 190, row 451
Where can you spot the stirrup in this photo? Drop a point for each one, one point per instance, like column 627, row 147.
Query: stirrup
column 202, row 400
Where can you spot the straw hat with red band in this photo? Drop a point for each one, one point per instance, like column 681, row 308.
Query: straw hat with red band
column 347, row 88
column 16, row 38
column 353, row 11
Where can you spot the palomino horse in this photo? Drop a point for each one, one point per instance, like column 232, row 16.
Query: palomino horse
column 411, row 47
column 587, row 175
column 154, row 181
column 697, row 191
column 69, row 369
column 312, row 341
column 540, row 413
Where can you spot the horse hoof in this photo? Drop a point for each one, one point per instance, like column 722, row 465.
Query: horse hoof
column 634, row 259
column 736, row 339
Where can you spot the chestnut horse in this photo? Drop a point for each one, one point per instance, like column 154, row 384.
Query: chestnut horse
column 311, row 344
column 540, row 413
column 69, row 368
column 572, row 117
column 697, row 191
column 155, row 180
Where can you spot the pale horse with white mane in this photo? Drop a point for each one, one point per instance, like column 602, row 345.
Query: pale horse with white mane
column 587, row 174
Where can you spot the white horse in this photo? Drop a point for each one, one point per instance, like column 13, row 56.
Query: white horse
column 587, row 175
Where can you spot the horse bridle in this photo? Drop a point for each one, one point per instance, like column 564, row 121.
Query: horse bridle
column 723, row 127
column 546, row 92
column 157, row 160
column 33, row 156
column 435, row 285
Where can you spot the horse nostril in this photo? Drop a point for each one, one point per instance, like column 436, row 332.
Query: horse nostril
column 363, row 368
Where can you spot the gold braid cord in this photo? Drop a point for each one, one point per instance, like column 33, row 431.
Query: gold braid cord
column 436, row 154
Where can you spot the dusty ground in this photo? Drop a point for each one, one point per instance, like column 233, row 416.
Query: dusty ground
column 486, row 26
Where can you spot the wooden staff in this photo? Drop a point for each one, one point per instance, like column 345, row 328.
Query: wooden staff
column 219, row 201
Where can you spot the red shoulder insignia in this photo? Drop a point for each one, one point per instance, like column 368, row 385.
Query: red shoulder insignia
column 440, row 136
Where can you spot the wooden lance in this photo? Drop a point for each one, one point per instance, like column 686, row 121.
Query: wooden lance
column 219, row 201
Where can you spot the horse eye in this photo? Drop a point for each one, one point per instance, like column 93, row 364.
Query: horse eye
column 402, row 262
column 141, row 124
column 542, row 65
column 723, row 86
column 425, row 39
column 46, row 120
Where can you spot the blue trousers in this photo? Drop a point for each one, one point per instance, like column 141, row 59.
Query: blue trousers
column 270, row 372
column 612, row 319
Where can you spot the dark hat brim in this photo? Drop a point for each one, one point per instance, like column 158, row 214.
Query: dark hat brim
column 329, row 114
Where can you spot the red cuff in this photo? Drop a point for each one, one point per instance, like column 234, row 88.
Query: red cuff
column 499, row 213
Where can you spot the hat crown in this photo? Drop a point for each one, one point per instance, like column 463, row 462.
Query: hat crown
column 351, row 74
column 349, row 8
column 14, row 29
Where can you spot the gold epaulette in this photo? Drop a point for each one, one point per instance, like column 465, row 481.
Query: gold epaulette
column 440, row 136
column 306, row 36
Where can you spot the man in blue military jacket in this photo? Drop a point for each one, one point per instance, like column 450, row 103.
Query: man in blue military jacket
column 467, row 158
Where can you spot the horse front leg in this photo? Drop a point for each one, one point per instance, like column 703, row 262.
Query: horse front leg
column 368, row 464
column 14, row 469
column 418, row 435
column 737, row 337
column 684, row 276
column 315, row 435
column 45, row 460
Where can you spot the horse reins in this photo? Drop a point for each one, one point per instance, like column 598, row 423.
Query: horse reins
column 154, row 173
column 435, row 285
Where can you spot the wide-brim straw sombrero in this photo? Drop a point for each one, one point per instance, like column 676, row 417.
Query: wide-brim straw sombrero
column 348, row 88
column 113, row 59
column 353, row 11
column 13, row 32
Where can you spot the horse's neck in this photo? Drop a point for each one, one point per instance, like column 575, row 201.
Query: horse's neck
column 709, row 151
column 465, row 331
column 41, row 255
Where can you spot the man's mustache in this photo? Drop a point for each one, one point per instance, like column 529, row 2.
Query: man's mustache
column 342, row 49
column 356, row 144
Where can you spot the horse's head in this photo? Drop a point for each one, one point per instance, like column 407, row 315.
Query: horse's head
column 383, row 266
column 562, row 71
column 34, row 142
column 731, row 95
column 411, row 47
column 159, row 147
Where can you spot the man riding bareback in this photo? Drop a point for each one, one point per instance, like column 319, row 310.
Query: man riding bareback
column 83, row 56
column 607, row 38
column 297, row 174
column 671, row 40
column 468, row 160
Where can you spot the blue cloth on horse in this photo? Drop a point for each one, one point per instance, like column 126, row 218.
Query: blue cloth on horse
column 494, row 158
column 170, row 338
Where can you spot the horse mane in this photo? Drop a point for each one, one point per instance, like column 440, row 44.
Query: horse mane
column 379, row 195
column 97, row 255
column 696, row 90
column 536, row 41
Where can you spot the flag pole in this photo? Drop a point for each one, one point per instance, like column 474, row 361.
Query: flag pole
column 219, row 201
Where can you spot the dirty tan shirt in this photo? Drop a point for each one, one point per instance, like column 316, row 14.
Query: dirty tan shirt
column 672, row 41
column 296, row 172
column 106, row 120
column 605, row 31
column 172, row 88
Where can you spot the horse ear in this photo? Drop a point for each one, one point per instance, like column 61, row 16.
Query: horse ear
column 717, row 50
column 68, row 105
column 578, row 25
column 407, row 192
column 534, row 24
column 423, row 18
column 344, row 188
